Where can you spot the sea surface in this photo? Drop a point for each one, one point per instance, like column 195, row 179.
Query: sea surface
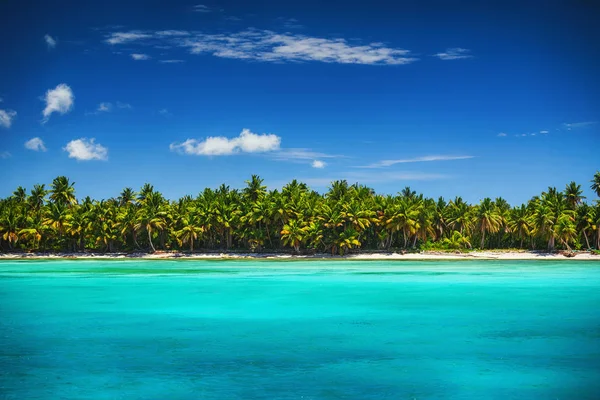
column 188, row 329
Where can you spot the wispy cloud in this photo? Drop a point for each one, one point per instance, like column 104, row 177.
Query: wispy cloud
column 170, row 61
column 201, row 8
column 454, row 53
column 5, row 155
column 86, row 149
column 289, row 23
column 501, row 134
column 7, row 117
column 577, row 125
column 246, row 142
column 318, row 164
column 164, row 112
column 35, row 144
column 389, row 163
column 106, row 107
column 300, row 154
column 543, row 132
column 269, row 46
column 140, row 56
column 50, row 41
column 127, row 37
column 59, row 100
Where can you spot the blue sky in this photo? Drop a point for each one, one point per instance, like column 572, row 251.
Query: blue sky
column 466, row 99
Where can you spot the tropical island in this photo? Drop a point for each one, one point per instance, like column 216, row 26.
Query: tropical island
column 347, row 219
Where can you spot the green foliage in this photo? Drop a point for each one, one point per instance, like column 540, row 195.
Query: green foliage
column 344, row 219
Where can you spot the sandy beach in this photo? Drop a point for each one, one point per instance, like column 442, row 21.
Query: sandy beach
column 433, row 255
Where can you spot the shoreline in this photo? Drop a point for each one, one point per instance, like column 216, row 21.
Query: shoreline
column 381, row 256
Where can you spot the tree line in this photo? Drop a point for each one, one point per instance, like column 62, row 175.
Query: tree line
column 346, row 218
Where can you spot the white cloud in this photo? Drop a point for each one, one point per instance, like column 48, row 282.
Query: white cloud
column 104, row 107
column 576, row 125
column 59, row 99
column 269, row 46
column 246, row 142
column 164, row 112
column 389, row 163
column 35, row 144
column 170, row 61
column 125, row 37
column 455, row 53
column 501, row 134
column 201, row 8
column 86, row 149
column 5, row 154
column 6, row 118
column 318, row 164
column 50, row 41
column 140, row 57
column 544, row 132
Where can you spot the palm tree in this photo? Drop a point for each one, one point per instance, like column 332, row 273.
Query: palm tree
column 596, row 183
column 457, row 241
column 293, row 234
column 519, row 222
column 190, row 229
column 62, row 191
column 37, row 197
column 488, row 218
column 347, row 240
column 150, row 216
column 574, row 194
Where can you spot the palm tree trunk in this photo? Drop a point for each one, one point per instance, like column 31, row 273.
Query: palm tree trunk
column 586, row 239
column 482, row 238
column 150, row 240
column 191, row 244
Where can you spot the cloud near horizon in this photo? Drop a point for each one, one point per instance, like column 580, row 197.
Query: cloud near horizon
column 59, row 100
column 389, row 163
column 318, row 164
column 267, row 46
column 86, row 149
column 246, row 142
column 35, row 144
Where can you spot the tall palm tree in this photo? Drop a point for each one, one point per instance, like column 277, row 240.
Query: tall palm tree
column 489, row 219
column 150, row 217
column 519, row 222
column 574, row 194
column 37, row 197
column 191, row 229
column 62, row 191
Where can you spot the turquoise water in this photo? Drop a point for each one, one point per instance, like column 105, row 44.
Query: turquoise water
column 299, row 330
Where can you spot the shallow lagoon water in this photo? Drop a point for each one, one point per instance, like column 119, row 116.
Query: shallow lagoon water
column 183, row 329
